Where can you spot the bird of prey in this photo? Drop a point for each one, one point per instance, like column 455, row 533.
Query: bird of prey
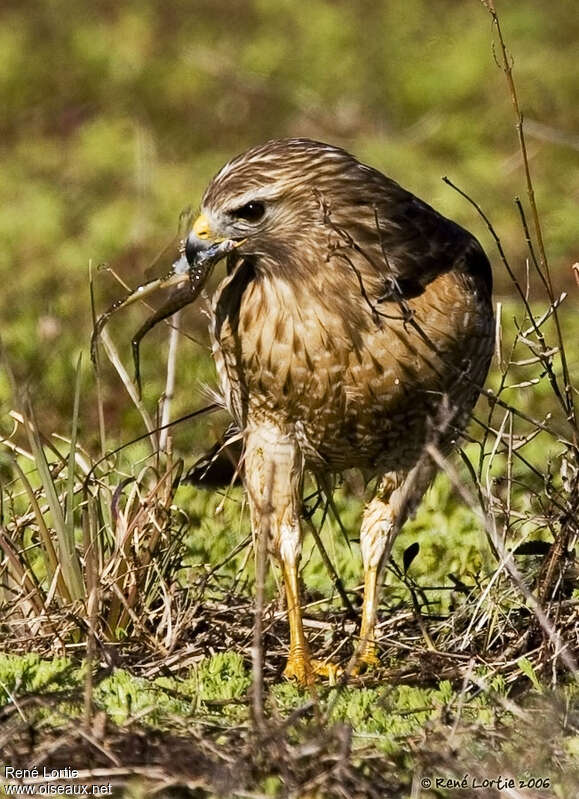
column 354, row 327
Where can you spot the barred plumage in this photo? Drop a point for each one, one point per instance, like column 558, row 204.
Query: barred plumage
column 355, row 323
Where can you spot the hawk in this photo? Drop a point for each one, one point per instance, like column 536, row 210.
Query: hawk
column 354, row 326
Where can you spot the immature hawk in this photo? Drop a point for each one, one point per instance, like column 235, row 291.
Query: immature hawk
column 354, row 326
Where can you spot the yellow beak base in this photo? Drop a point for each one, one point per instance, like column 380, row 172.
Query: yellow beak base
column 201, row 227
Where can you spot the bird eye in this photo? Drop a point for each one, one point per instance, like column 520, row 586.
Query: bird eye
column 251, row 212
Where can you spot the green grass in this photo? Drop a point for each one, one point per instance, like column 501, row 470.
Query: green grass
column 99, row 156
column 214, row 696
column 194, row 596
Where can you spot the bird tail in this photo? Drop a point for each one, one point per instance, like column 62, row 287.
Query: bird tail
column 221, row 466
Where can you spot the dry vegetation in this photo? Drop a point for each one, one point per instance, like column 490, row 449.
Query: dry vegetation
column 128, row 619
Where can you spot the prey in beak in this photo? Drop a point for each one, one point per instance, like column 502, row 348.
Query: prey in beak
column 187, row 277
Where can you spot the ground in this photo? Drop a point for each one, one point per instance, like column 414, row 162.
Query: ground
column 127, row 598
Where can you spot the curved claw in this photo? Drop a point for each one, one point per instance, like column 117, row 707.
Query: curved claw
column 304, row 670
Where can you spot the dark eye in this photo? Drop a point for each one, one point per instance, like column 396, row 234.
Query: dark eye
column 251, row 212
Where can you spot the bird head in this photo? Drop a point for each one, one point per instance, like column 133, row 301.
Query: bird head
column 271, row 201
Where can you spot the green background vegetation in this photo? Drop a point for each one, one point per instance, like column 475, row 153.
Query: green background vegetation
column 114, row 116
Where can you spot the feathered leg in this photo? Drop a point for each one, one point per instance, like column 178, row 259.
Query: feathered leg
column 396, row 498
column 273, row 480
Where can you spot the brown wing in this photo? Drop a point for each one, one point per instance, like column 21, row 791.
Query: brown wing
column 410, row 242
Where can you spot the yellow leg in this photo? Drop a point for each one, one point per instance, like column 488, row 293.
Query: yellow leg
column 367, row 651
column 396, row 497
column 273, row 479
column 300, row 665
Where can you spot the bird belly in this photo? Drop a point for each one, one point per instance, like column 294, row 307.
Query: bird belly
column 361, row 392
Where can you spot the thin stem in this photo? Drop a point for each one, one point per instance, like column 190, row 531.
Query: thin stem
column 507, row 67
column 170, row 381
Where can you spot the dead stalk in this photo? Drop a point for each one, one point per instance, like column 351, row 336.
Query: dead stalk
column 170, row 381
column 506, row 64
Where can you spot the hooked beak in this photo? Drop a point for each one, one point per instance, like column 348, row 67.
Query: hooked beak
column 203, row 248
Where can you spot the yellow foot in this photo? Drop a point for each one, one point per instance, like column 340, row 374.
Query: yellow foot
column 305, row 670
column 366, row 660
